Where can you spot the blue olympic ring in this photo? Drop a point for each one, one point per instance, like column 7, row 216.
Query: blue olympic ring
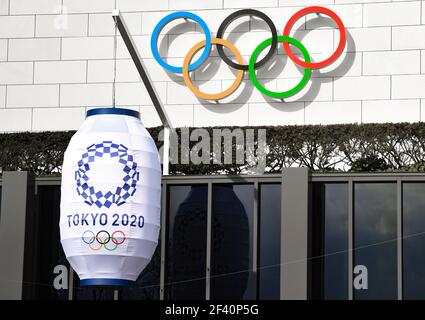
column 167, row 19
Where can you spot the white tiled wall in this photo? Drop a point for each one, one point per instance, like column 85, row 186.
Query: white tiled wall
column 56, row 61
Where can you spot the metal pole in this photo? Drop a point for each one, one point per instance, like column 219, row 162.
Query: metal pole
column 163, row 240
column 351, row 251
column 71, row 284
column 255, row 242
column 209, row 243
column 166, row 152
column 399, row 239
column 147, row 81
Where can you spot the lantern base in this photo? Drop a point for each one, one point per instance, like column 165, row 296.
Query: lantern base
column 106, row 282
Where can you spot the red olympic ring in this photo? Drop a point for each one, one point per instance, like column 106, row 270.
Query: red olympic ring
column 334, row 56
column 115, row 241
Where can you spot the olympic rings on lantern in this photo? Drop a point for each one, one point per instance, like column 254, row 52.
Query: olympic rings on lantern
column 212, row 96
column 233, row 17
column 339, row 49
column 253, row 63
column 103, row 239
column 167, row 19
column 283, row 94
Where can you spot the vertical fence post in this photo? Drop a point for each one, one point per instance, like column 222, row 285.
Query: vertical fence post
column 351, row 249
column 399, row 239
column 16, row 206
column 294, row 233
column 163, row 239
column 209, row 243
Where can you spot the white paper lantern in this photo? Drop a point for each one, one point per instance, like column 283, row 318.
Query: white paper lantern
column 110, row 198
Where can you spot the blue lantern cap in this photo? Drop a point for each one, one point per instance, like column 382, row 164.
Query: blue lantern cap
column 106, row 282
column 119, row 111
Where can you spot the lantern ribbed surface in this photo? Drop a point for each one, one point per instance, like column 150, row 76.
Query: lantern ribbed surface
column 110, row 198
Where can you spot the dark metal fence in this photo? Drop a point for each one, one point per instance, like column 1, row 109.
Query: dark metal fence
column 297, row 235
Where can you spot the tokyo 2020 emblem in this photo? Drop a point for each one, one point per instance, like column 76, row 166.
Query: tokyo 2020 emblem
column 86, row 187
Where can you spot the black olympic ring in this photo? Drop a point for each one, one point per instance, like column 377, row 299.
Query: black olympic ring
column 242, row 13
column 104, row 241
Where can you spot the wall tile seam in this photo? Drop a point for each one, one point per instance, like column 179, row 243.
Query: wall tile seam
column 195, row 32
column 199, row 10
column 303, row 102
column 294, row 77
column 71, row 107
column 81, row 83
column 210, row 104
column 211, row 9
column 88, row 24
column 87, row 70
column 32, row 119
column 33, row 72
column 93, row 83
column 178, row 57
column 35, row 26
column 5, row 96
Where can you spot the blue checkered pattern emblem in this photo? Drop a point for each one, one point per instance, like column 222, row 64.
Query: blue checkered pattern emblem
column 118, row 196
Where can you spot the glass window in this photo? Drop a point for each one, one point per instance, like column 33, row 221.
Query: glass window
column 187, row 242
column 91, row 293
column 148, row 283
column 44, row 251
column 413, row 240
column 231, row 243
column 329, row 241
column 269, row 248
column 375, row 235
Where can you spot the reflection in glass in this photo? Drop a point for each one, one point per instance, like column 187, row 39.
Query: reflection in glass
column 231, row 243
column 147, row 284
column 375, row 233
column 43, row 248
column 91, row 293
column 330, row 241
column 413, row 240
column 187, row 242
column 269, row 235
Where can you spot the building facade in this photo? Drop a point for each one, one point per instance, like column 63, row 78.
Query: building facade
column 57, row 61
column 295, row 235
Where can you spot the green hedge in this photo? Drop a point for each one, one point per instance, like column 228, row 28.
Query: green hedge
column 350, row 147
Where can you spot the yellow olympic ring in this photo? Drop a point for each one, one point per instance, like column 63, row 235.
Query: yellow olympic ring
column 212, row 96
column 94, row 248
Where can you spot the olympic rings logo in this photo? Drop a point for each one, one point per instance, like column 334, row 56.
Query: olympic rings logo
column 103, row 239
column 253, row 64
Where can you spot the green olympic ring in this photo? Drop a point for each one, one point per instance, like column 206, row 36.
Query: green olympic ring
column 282, row 94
